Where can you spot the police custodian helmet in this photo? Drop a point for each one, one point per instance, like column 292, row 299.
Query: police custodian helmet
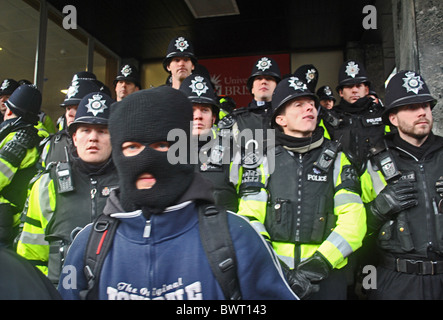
column 128, row 72
column 179, row 47
column 406, row 87
column 25, row 102
column 198, row 89
column 352, row 72
column 288, row 89
column 309, row 74
column 94, row 108
column 264, row 67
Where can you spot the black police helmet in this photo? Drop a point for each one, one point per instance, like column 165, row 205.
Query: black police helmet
column 179, row 47
column 309, row 74
column 94, row 108
column 325, row 93
column 264, row 67
column 129, row 73
column 406, row 87
column 288, row 89
column 78, row 89
column 26, row 102
column 8, row 86
column 352, row 72
column 198, row 89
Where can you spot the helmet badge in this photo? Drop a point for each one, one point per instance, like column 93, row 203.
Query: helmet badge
column 198, row 85
column 264, row 64
column 297, row 84
column 352, row 69
column 181, row 44
column 73, row 89
column 412, row 82
column 5, row 84
column 310, row 75
column 96, row 105
column 126, row 70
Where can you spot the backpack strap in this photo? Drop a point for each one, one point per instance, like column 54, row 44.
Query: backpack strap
column 217, row 243
column 99, row 242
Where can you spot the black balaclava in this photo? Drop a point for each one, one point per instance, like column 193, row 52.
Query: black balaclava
column 146, row 117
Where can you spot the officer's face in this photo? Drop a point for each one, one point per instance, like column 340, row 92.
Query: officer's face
column 327, row 104
column 299, row 119
column 352, row 93
column 124, row 88
column 414, row 122
column 93, row 143
column 70, row 113
column 180, row 68
column 3, row 99
column 263, row 87
column 203, row 118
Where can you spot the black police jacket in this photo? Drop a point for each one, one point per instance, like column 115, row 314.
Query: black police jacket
column 417, row 232
column 358, row 127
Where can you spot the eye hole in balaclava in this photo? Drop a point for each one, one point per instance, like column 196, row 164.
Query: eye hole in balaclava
column 142, row 122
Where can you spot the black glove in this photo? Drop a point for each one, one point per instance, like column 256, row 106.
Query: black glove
column 304, row 280
column 393, row 199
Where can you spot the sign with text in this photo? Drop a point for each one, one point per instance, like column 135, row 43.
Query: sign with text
column 230, row 75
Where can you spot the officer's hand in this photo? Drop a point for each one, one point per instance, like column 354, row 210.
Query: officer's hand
column 299, row 283
column 393, row 199
column 304, row 280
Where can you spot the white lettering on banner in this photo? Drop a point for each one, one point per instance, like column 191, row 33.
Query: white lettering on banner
column 173, row 291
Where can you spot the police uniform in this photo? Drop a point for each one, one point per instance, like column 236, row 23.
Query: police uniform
column 82, row 84
column 309, row 205
column 214, row 149
column 359, row 125
column 19, row 154
column 55, row 210
column 405, row 214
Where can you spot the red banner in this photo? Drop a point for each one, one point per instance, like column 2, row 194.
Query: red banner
column 230, row 75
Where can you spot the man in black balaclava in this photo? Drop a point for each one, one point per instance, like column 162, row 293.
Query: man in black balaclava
column 148, row 131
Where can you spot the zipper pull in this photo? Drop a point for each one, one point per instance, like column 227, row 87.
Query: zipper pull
column 93, row 192
column 147, row 231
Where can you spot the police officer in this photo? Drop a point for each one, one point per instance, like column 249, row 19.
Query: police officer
column 19, row 154
column 326, row 97
column 81, row 85
column 308, row 206
column 356, row 121
column 179, row 61
column 71, row 193
column 127, row 81
column 249, row 126
column 213, row 148
column 406, row 211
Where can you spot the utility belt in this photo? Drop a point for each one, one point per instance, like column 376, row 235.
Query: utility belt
column 410, row 266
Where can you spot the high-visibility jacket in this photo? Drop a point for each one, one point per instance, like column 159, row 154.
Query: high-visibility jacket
column 52, row 217
column 301, row 209
column 17, row 168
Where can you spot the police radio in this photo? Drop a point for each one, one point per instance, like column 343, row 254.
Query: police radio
column 327, row 156
column 64, row 175
column 385, row 163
